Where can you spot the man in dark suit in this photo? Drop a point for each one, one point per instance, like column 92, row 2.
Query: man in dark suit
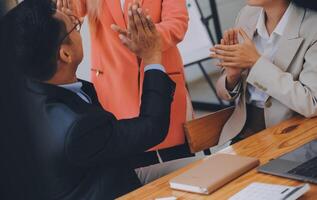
column 311, row 4
column 81, row 148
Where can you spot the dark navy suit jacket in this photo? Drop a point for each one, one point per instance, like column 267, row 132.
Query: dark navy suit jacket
column 82, row 149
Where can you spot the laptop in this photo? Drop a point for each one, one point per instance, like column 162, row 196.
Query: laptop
column 300, row 164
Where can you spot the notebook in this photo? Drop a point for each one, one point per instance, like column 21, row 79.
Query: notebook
column 263, row 191
column 213, row 173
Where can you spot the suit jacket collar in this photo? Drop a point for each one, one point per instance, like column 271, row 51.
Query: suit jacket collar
column 295, row 21
column 250, row 27
column 53, row 91
column 290, row 41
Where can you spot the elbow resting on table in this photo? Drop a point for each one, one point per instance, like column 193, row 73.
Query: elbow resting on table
column 310, row 113
column 309, row 110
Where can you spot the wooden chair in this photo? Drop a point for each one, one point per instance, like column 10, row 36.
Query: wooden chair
column 204, row 133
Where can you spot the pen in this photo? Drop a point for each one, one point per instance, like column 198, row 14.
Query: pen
column 293, row 191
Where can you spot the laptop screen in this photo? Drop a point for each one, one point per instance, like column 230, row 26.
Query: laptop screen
column 302, row 154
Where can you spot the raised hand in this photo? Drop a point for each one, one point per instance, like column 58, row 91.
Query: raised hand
column 230, row 37
column 64, row 4
column 141, row 38
column 233, row 75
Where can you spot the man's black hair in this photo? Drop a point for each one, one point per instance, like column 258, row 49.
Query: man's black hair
column 35, row 36
column 310, row 4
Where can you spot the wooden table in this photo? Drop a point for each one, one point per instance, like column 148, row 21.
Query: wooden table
column 265, row 145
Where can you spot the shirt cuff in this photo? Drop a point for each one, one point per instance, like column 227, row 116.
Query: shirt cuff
column 235, row 90
column 155, row 67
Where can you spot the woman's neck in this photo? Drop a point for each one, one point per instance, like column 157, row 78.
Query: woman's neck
column 274, row 13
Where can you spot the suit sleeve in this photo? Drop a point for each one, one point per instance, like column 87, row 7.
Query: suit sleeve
column 174, row 22
column 98, row 137
column 299, row 95
column 222, row 90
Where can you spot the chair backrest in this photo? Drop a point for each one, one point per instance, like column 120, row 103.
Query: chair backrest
column 204, row 133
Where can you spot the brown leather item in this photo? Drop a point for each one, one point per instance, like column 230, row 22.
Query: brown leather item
column 213, row 173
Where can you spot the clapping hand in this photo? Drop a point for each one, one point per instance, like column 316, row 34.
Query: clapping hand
column 66, row 6
column 243, row 55
column 233, row 74
column 142, row 37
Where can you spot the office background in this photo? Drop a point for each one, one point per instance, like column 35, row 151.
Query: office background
column 199, row 88
column 197, row 84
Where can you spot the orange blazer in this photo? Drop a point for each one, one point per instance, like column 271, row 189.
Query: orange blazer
column 116, row 74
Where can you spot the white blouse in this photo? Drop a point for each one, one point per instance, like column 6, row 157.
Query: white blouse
column 122, row 4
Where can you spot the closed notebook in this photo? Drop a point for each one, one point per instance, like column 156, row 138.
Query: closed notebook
column 213, row 173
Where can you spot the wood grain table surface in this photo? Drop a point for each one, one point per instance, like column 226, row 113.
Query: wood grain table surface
column 266, row 145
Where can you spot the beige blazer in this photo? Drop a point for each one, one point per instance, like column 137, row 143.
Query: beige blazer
column 290, row 80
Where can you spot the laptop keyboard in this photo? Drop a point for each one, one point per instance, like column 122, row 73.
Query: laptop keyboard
column 307, row 169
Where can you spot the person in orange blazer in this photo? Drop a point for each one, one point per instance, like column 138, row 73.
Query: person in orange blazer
column 117, row 73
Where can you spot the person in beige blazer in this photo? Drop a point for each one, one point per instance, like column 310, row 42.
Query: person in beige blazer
column 269, row 67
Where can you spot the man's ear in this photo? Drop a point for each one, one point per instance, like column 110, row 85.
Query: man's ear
column 65, row 54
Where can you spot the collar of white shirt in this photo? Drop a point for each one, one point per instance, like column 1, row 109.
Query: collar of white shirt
column 279, row 29
column 74, row 87
column 77, row 89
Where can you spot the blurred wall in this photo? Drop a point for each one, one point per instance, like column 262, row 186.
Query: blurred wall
column 227, row 10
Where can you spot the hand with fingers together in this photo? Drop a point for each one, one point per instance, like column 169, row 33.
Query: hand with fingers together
column 233, row 75
column 141, row 38
column 230, row 37
column 242, row 56
column 66, row 6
